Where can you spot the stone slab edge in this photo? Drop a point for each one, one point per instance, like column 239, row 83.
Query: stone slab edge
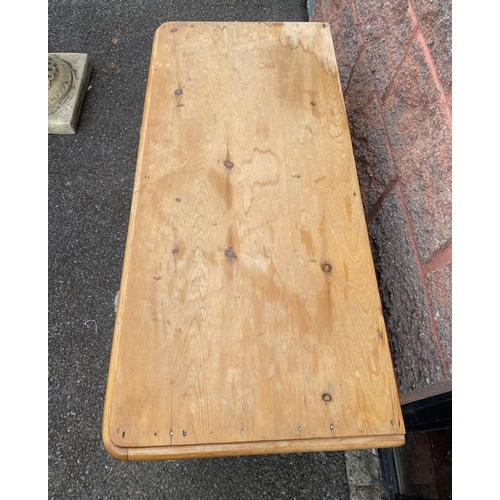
column 64, row 119
column 363, row 474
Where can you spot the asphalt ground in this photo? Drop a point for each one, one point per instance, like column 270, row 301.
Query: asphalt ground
column 90, row 181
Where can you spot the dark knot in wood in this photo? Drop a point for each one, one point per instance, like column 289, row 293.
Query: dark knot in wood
column 230, row 254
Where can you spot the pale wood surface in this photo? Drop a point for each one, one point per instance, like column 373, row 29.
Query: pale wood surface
column 249, row 319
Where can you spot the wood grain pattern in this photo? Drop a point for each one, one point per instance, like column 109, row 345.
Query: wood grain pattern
column 249, row 319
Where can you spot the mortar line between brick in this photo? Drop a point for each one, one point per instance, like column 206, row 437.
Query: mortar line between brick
column 392, row 81
column 430, row 63
column 435, row 77
column 413, row 13
column 353, row 5
column 357, row 23
column 356, row 61
column 382, row 197
column 438, row 261
column 423, row 280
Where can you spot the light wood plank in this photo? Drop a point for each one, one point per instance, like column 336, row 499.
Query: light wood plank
column 249, row 310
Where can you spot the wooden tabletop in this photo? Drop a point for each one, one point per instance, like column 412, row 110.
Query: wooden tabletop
column 249, row 319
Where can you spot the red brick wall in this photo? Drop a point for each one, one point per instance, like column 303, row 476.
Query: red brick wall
column 394, row 60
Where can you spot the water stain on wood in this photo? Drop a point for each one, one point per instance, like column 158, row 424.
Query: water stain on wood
column 221, row 184
column 306, row 239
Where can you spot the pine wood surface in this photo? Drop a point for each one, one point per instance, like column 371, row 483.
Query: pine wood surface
column 249, row 318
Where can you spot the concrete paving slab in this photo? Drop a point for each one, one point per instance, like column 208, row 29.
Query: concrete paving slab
column 363, row 474
column 69, row 76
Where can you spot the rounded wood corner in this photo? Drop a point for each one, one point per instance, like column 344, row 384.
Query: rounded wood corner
column 166, row 25
column 401, row 440
column 117, row 452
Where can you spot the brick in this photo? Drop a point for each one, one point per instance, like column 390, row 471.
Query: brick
column 416, row 357
column 386, row 28
column 439, row 288
column 369, row 140
column 340, row 16
column 434, row 19
column 421, row 147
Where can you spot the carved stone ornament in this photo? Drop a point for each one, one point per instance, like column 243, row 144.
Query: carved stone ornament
column 60, row 81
